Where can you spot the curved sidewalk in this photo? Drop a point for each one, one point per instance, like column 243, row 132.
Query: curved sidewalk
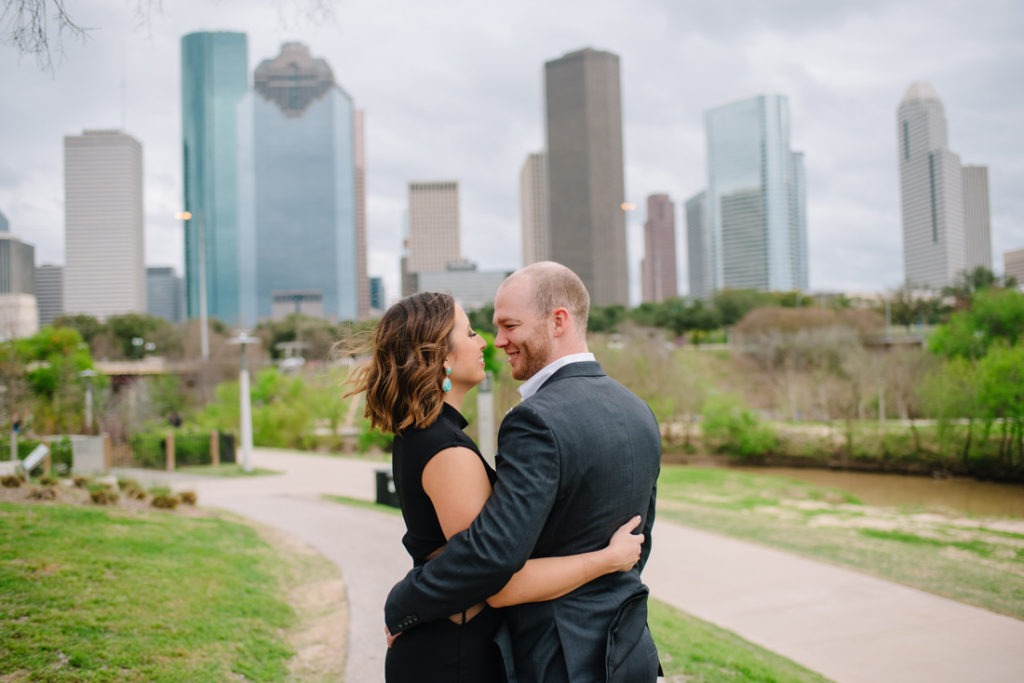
column 846, row 625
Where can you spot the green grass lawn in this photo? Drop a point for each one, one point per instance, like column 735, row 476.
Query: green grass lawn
column 101, row 594
column 977, row 561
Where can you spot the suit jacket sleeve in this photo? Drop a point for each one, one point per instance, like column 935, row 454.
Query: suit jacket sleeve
column 645, row 549
column 478, row 562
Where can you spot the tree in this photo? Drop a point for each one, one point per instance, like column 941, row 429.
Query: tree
column 39, row 27
column 995, row 316
column 54, row 360
column 733, row 304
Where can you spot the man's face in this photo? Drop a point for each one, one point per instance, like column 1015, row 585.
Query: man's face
column 525, row 336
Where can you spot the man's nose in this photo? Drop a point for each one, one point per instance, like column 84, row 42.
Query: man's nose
column 501, row 340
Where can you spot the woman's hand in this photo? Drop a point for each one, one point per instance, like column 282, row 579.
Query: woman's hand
column 391, row 638
column 623, row 551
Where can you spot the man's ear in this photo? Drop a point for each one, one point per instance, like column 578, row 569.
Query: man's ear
column 563, row 323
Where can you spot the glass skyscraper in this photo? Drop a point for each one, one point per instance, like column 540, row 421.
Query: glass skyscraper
column 755, row 202
column 297, row 188
column 214, row 78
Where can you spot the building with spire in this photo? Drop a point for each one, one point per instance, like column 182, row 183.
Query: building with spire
column 945, row 206
column 298, row 214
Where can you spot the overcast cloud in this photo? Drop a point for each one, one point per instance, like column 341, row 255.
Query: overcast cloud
column 452, row 89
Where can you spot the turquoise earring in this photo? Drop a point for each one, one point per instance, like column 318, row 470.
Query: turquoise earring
column 446, row 385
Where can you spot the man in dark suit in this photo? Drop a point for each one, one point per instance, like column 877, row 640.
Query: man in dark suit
column 576, row 459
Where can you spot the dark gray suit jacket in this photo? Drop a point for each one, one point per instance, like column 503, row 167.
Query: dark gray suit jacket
column 575, row 461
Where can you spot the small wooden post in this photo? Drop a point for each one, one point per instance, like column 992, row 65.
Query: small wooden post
column 47, row 460
column 169, row 450
column 215, row 448
column 108, row 452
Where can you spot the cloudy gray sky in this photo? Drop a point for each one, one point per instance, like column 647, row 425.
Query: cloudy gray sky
column 453, row 89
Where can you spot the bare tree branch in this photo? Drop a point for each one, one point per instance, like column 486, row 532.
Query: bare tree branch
column 40, row 27
column 30, row 25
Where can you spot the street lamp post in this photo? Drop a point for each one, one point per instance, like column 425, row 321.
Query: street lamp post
column 87, row 375
column 204, row 334
column 245, row 401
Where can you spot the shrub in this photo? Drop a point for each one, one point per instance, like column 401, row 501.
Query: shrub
column 48, row 480
column 42, row 493
column 165, row 501
column 103, row 495
column 11, row 481
column 731, row 428
column 372, row 438
column 188, row 497
column 132, row 489
column 81, row 482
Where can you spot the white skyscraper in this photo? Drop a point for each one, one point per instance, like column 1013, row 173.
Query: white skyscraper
column 977, row 218
column 433, row 239
column 105, row 273
column 533, row 209
column 931, row 189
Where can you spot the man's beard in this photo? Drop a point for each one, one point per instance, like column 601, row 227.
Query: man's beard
column 534, row 355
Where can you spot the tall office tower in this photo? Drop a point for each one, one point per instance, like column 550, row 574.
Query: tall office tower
column 931, row 191
column 659, row 263
column 297, row 188
column 433, row 239
column 165, row 294
column 362, row 279
column 977, row 217
column 19, row 314
column 533, row 209
column 17, row 265
column 1013, row 266
column 755, row 197
column 49, row 293
column 586, row 188
column 104, row 273
column 214, row 77
column 700, row 268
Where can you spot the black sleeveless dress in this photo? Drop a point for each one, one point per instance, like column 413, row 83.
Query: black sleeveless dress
column 441, row 650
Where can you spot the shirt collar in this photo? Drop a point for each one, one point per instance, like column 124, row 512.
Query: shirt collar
column 532, row 385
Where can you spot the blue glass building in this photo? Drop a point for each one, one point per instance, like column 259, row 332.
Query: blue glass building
column 755, row 203
column 214, row 78
column 297, row 198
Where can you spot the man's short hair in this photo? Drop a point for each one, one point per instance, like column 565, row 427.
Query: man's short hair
column 556, row 286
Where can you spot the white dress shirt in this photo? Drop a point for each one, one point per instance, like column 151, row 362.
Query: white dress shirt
column 530, row 386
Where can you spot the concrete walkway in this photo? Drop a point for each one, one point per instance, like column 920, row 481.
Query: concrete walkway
column 848, row 626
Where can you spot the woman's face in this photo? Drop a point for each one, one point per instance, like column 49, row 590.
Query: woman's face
column 466, row 356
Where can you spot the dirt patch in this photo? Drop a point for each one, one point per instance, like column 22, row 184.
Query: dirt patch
column 317, row 594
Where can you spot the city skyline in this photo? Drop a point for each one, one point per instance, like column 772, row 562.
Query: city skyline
column 471, row 111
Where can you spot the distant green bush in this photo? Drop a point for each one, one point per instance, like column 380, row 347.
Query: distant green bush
column 729, row 427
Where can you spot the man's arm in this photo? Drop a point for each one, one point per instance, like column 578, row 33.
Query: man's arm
column 479, row 561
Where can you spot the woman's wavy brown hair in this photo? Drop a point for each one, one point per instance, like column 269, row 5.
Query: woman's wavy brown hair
column 403, row 379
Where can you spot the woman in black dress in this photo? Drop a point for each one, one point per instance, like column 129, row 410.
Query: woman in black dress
column 425, row 358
